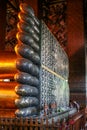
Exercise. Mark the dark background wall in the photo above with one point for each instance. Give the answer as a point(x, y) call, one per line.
point(2, 23)
point(76, 50)
point(85, 30)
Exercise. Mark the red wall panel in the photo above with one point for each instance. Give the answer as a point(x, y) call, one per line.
point(76, 51)
point(75, 26)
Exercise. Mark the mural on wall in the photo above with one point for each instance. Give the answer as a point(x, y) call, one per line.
point(11, 24)
point(54, 15)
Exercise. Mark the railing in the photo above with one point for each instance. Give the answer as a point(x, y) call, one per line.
point(31, 124)
point(74, 122)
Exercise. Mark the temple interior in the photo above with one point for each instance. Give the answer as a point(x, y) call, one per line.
point(43, 64)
